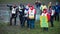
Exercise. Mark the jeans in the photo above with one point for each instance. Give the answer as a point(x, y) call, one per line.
point(31, 23)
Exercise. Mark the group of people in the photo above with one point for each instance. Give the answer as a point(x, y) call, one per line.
point(28, 14)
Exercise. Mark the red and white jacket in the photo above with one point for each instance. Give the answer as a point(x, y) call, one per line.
point(45, 13)
point(31, 12)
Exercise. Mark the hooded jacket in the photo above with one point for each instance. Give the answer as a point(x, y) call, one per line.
point(46, 14)
point(32, 12)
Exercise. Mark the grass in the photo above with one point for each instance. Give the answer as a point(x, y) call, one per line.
point(6, 29)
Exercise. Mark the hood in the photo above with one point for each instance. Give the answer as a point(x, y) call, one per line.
point(45, 11)
point(32, 7)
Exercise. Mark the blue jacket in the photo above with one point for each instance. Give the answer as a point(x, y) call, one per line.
point(57, 8)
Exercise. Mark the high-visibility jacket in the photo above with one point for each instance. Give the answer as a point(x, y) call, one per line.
point(31, 13)
point(26, 11)
point(13, 11)
point(46, 14)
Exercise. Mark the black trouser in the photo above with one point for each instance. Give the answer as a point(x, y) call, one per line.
point(26, 19)
point(13, 17)
point(45, 29)
point(31, 23)
point(21, 21)
point(57, 16)
point(51, 21)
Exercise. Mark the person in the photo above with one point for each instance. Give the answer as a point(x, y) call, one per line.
point(50, 4)
point(21, 14)
point(26, 14)
point(38, 4)
point(57, 12)
point(43, 6)
point(44, 18)
point(14, 15)
point(31, 17)
point(51, 12)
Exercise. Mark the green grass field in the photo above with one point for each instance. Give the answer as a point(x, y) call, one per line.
point(6, 29)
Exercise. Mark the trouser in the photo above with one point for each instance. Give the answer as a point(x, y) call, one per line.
point(26, 19)
point(57, 16)
point(51, 21)
point(45, 28)
point(13, 17)
point(31, 23)
point(21, 21)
